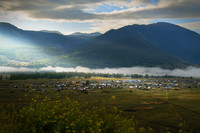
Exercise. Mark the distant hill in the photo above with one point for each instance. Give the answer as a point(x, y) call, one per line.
point(48, 31)
point(124, 52)
point(86, 34)
point(45, 37)
point(42, 48)
point(156, 45)
point(38, 38)
point(80, 38)
point(170, 38)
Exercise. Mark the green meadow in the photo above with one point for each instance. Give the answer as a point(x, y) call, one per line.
point(99, 110)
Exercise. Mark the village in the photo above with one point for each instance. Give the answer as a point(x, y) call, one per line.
point(88, 85)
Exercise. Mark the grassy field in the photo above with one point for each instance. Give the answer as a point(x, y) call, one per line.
point(162, 110)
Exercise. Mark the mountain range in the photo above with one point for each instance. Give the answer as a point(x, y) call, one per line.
point(160, 44)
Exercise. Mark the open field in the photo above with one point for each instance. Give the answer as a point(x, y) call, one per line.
point(176, 110)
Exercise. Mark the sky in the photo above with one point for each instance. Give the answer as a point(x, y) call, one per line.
point(69, 16)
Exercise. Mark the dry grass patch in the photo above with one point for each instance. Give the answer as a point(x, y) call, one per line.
point(146, 103)
point(144, 108)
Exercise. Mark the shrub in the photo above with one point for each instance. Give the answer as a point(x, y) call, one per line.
point(64, 116)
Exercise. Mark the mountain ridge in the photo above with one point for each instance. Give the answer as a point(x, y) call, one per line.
point(150, 45)
point(157, 34)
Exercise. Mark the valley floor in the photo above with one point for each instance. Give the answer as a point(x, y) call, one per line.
point(174, 110)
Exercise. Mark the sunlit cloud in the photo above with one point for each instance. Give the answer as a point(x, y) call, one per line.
point(193, 25)
point(76, 10)
point(103, 26)
point(100, 13)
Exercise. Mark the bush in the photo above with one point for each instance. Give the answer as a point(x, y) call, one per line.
point(64, 116)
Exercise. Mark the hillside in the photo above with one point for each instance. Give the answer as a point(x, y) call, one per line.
point(156, 45)
point(126, 52)
point(171, 39)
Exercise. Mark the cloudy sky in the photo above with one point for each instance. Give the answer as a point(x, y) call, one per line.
point(68, 16)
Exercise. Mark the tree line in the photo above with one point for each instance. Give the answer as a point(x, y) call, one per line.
point(54, 75)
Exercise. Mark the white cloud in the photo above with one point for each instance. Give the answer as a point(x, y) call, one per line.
point(188, 72)
point(13, 69)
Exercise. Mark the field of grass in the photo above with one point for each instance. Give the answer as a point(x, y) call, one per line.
point(162, 110)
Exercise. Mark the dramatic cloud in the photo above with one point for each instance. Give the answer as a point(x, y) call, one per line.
point(61, 9)
point(76, 9)
point(101, 14)
point(169, 9)
point(188, 72)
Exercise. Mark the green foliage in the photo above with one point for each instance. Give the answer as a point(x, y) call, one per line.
point(136, 76)
point(63, 116)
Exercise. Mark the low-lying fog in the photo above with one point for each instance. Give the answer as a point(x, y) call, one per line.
point(188, 72)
